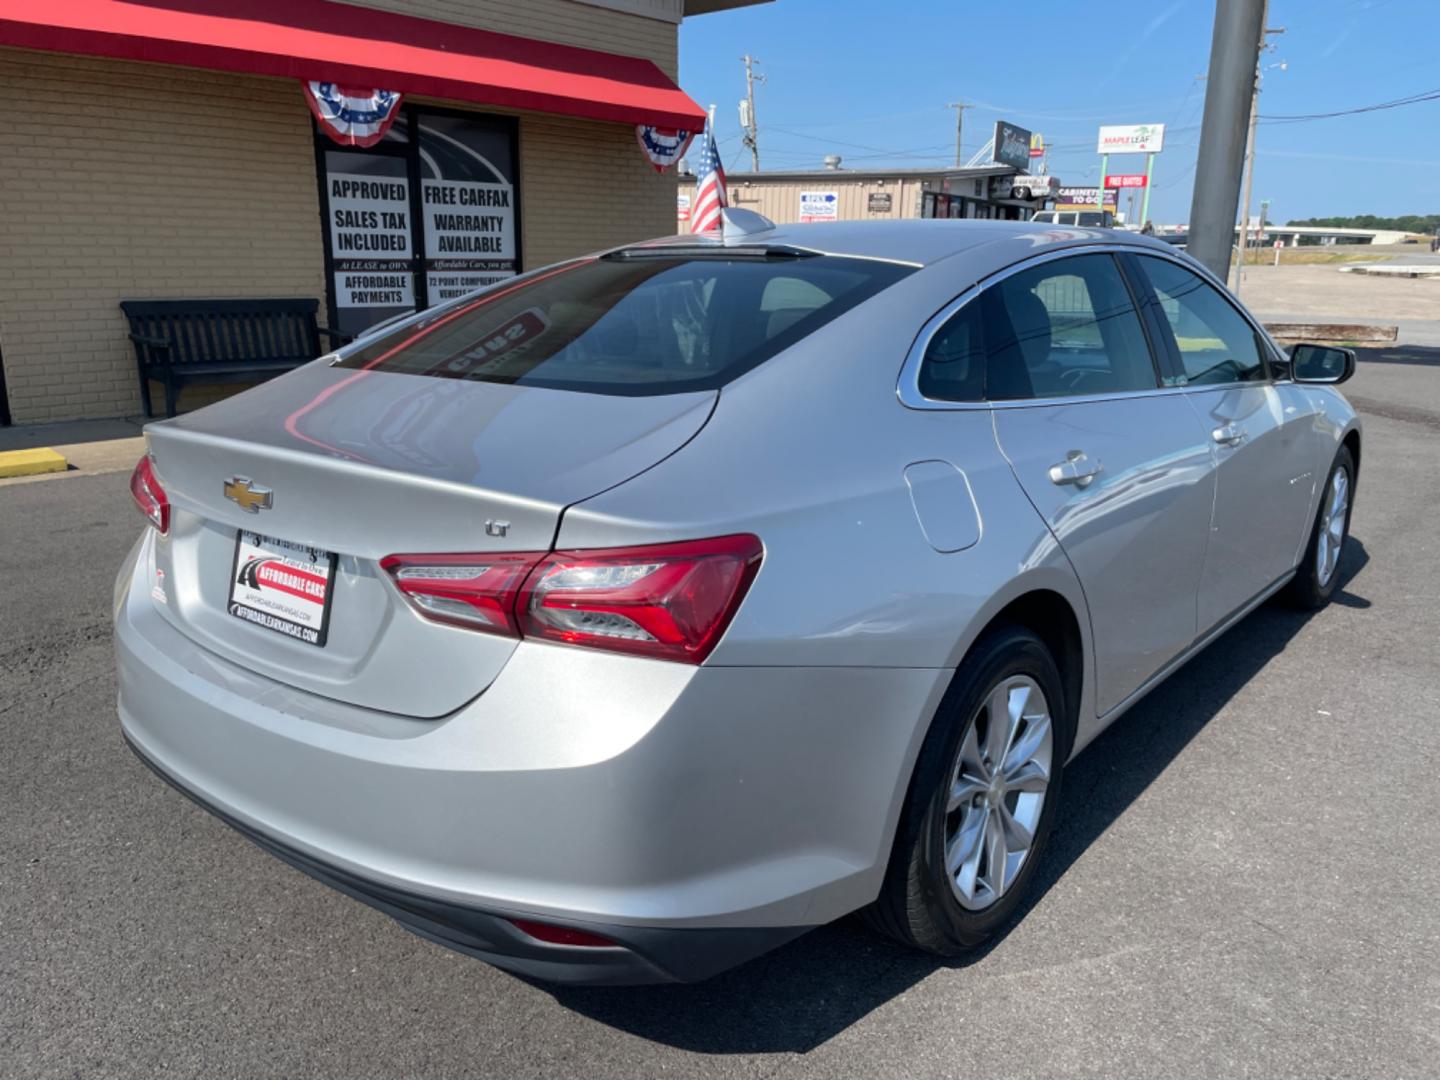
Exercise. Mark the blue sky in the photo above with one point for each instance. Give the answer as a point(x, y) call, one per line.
point(869, 81)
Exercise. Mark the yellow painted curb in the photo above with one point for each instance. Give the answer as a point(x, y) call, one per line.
point(30, 462)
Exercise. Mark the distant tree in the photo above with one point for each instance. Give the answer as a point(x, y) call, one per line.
point(1417, 223)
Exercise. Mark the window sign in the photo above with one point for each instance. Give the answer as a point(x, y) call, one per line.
point(370, 237)
point(413, 222)
point(467, 186)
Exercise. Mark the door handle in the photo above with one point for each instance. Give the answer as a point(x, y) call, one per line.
point(1076, 469)
point(1229, 435)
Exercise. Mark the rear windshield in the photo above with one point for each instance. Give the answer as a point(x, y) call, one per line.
point(644, 325)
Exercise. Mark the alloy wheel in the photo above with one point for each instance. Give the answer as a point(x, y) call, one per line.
point(1332, 526)
point(997, 791)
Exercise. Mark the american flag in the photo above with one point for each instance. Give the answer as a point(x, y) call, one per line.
point(709, 186)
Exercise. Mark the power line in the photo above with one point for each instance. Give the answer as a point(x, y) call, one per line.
point(1413, 99)
point(1183, 174)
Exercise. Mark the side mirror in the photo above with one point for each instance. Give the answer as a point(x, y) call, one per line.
point(1321, 364)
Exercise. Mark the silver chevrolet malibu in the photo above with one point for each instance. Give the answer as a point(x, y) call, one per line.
point(629, 618)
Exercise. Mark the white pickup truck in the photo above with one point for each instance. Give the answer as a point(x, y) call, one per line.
point(1029, 187)
point(1095, 219)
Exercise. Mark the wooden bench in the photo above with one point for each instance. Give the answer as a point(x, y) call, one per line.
point(178, 342)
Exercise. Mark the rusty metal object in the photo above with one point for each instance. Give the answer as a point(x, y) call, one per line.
point(1322, 332)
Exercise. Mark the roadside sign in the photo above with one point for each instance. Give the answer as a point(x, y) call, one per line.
point(1085, 198)
point(1126, 180)
point(1131, 139)
point(1011, 146)
point(682, 207)
point(879, 202)
point(819, 205)
point(1037, 145)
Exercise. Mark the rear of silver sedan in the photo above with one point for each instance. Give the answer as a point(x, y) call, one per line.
point(361, 631)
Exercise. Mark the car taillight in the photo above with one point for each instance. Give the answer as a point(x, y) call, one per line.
point(671, 601)
point(478, 592)
point(149, 496)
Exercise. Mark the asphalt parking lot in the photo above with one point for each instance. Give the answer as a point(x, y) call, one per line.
point(1244, 881)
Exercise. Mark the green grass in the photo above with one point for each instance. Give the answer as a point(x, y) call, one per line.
point(1306, 256)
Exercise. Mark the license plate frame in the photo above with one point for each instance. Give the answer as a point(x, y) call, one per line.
point(273, 583)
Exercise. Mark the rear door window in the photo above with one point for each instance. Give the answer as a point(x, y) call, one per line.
point(648, 324)
point(1062, 329)
point(1065, 328)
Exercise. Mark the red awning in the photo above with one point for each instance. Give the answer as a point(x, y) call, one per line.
point(331, 42)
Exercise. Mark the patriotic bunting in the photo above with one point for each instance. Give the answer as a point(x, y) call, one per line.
point(352, 116)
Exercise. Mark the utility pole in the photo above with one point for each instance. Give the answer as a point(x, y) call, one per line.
point(747, 111)
point(959, 107)
point(1243, 235)
point(1229, 99)
point(1250, 153)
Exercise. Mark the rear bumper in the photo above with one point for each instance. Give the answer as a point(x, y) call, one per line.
point(696, 816)
point(643, 954)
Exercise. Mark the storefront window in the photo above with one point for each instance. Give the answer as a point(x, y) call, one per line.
point(415, 221)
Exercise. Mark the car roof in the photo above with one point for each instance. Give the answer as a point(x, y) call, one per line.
point(916, 241)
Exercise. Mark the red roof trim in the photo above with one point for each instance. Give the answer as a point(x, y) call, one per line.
point(319, 39)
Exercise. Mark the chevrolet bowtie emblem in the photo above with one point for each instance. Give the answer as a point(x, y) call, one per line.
point(242, 491)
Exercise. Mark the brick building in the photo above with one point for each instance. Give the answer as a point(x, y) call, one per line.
point(841, 194)
point(166, 150)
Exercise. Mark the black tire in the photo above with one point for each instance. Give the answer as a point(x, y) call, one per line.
point(916, 906)
point(1306, 590)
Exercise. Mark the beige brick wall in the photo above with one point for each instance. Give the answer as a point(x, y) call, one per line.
point(585, 186)
point(562, 21)
point(129, 180)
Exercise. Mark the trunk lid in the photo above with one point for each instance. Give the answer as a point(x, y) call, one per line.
point(366, 464)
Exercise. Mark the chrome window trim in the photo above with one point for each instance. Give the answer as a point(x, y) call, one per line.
point(908, 386)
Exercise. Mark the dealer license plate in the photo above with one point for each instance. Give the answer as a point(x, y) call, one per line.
point(282, 586)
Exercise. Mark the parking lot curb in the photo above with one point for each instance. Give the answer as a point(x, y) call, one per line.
point(31, 462)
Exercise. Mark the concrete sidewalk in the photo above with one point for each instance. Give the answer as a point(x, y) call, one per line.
point(90, 446)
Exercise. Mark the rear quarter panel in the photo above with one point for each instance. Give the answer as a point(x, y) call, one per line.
point(809, 452)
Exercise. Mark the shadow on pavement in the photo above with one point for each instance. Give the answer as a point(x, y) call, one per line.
point(1410, 355)
point(802, 995)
